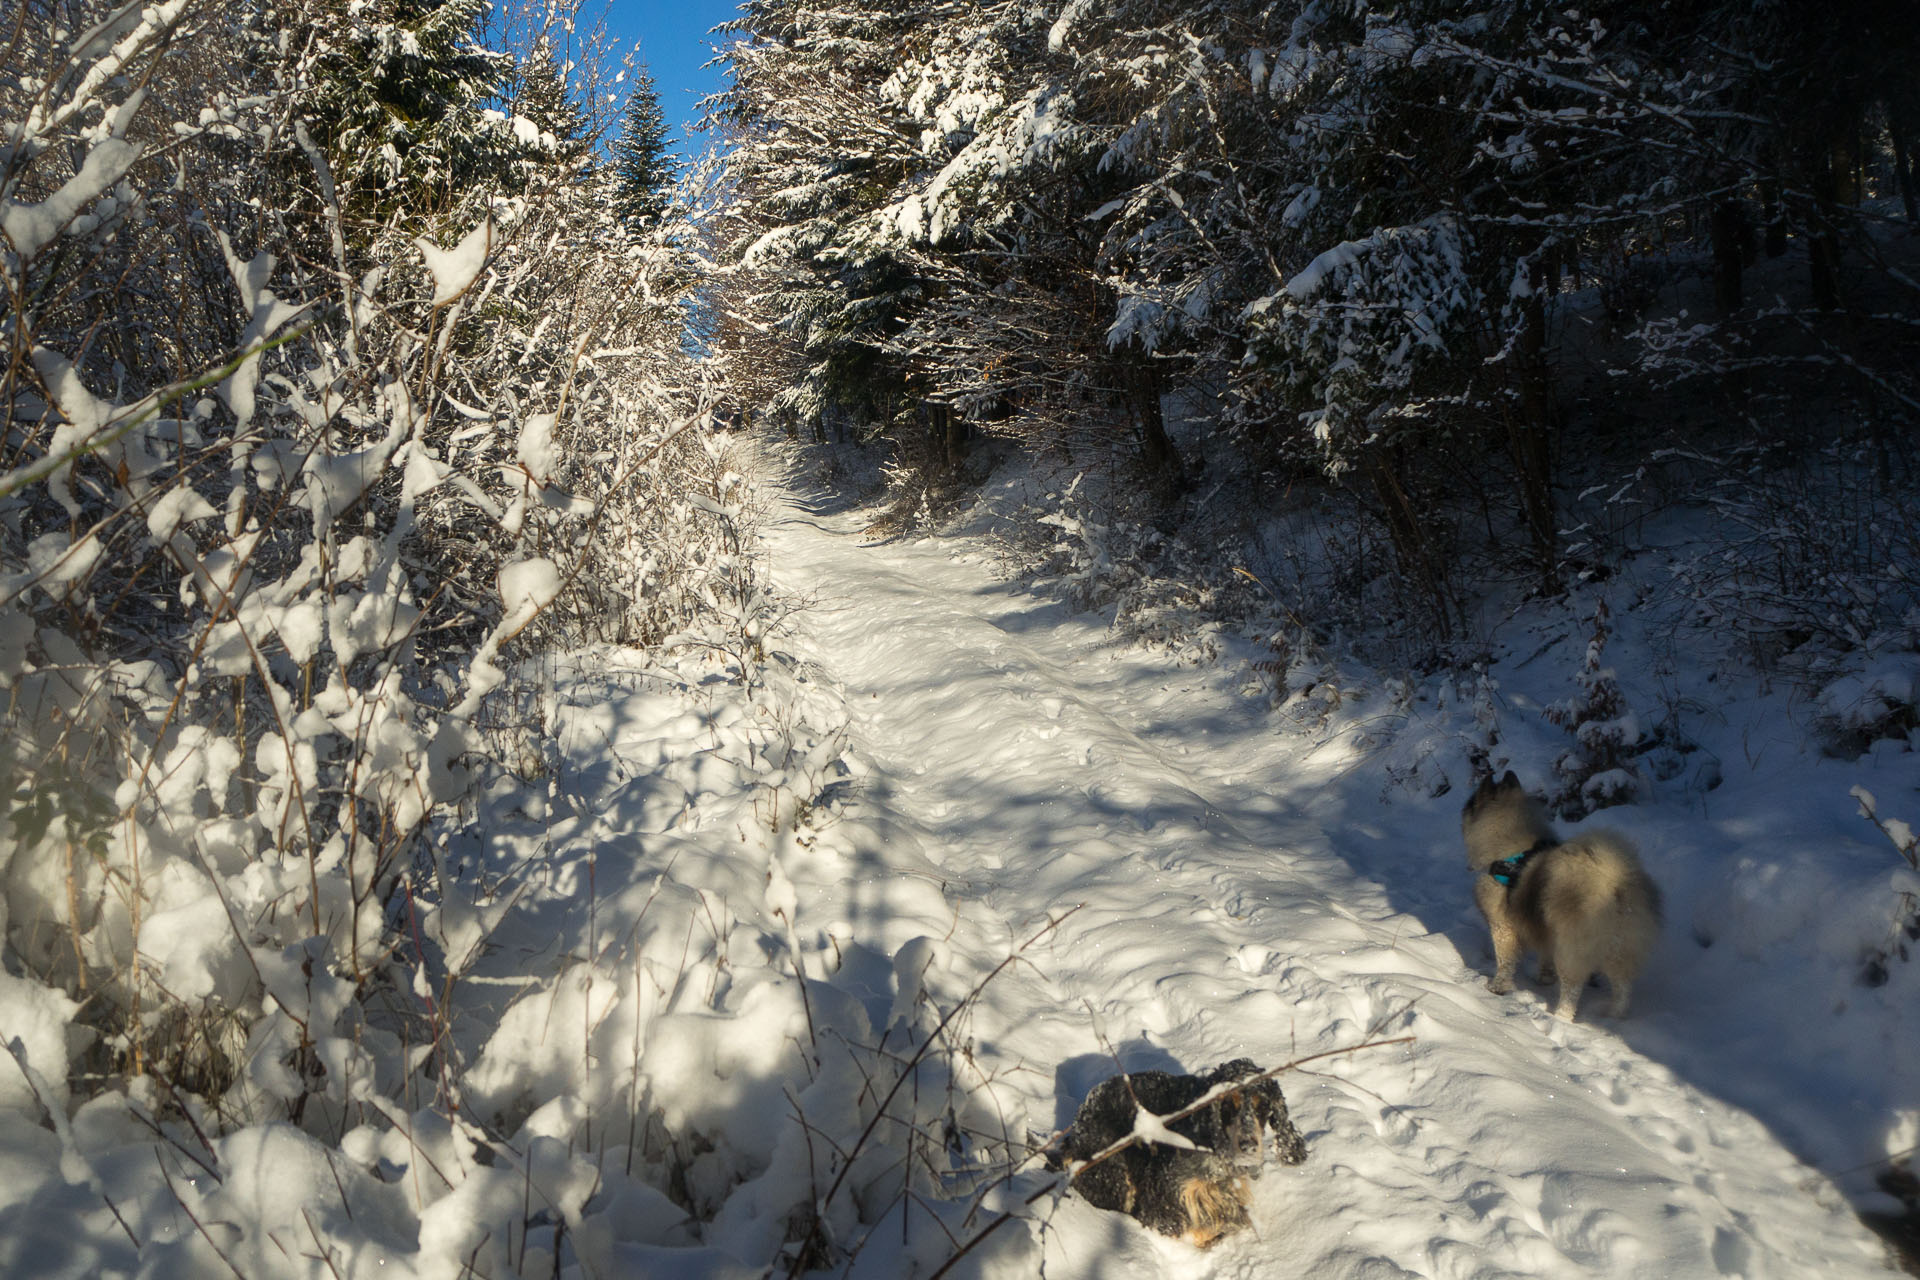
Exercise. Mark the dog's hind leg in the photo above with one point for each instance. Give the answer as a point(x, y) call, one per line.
point(1622, 988)
point(1573, 980)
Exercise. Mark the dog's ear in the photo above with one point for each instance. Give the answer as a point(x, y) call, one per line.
point(1510, 782)
point(1482, 793)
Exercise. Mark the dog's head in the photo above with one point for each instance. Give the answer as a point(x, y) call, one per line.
point(1499, 820)
point(1241, 1121)
point(1491, 792)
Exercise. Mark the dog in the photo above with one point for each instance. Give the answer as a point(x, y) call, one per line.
point(1584, 905)
point(1198, 1195)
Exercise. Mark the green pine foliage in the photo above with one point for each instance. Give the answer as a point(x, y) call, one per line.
point(400, 104)
point(644, 166)
point(542, 99)
point(1596, 771)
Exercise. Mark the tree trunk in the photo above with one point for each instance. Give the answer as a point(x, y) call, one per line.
point(1141, 379)
point(1530, 437)
point(1903, 166)
point(1776, 222)
point(1728, 221)
point(1823, 241)
point(1407, 530)
point(1849, 166)
point(953, 438)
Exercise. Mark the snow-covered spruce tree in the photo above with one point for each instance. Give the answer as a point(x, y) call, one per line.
point(1017, 131)
point(541, 95)
point(266, 544)
point(644, 165)
point(1596, 771)
point(916, 219)
point(814, 155)
point(1407, 321)
point(398, 88)
point(866, 236)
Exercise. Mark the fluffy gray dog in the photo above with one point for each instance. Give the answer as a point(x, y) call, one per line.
point(1585, 905)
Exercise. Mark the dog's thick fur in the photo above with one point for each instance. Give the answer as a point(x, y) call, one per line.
point(1584, 905)
point(1198, 1195)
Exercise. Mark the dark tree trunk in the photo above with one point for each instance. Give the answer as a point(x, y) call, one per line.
point(1141, 379)
point(1413, 547)
point(1776, 222)
point(1530, 436)
point(1903, 166)
point(1730, 242)
point(1849, 166)
point(1823, 241)
point(953, 438)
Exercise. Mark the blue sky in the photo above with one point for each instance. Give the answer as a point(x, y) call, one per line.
point(673, 43)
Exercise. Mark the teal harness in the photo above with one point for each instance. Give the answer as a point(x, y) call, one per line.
point(1507, 870)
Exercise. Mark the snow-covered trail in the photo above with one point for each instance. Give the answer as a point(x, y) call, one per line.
point(1235, 900)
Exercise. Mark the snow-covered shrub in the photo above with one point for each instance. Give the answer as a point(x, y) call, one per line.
point(263, 604)
point(1083, 557)
point(1905, 929)
point(1819, 553)
point(1166, 585)
point(1596, 771)
point(734, 1077)
point(582, 427)
point(282, 496)
point(1878, 700)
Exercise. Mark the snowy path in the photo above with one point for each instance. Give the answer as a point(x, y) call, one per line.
point(1228, 912)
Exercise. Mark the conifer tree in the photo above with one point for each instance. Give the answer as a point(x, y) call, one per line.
point(542, 98)
point(645, 168)
point(1597, 770)
point(399, 102)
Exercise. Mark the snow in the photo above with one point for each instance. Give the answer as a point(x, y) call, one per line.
point(87, 419)
point(266, 313)
point(1246, 893)
point(687, 952)
point(454, 270)
point(1343, 255)
point(526, 587)
point(1148, 1128)
point(912, 966)
point(177, 506)
point(32, 227)
point(33, 1020)
point(1296, 212)
point(535, 449)
point(1062, 28)
point(1864, 698)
